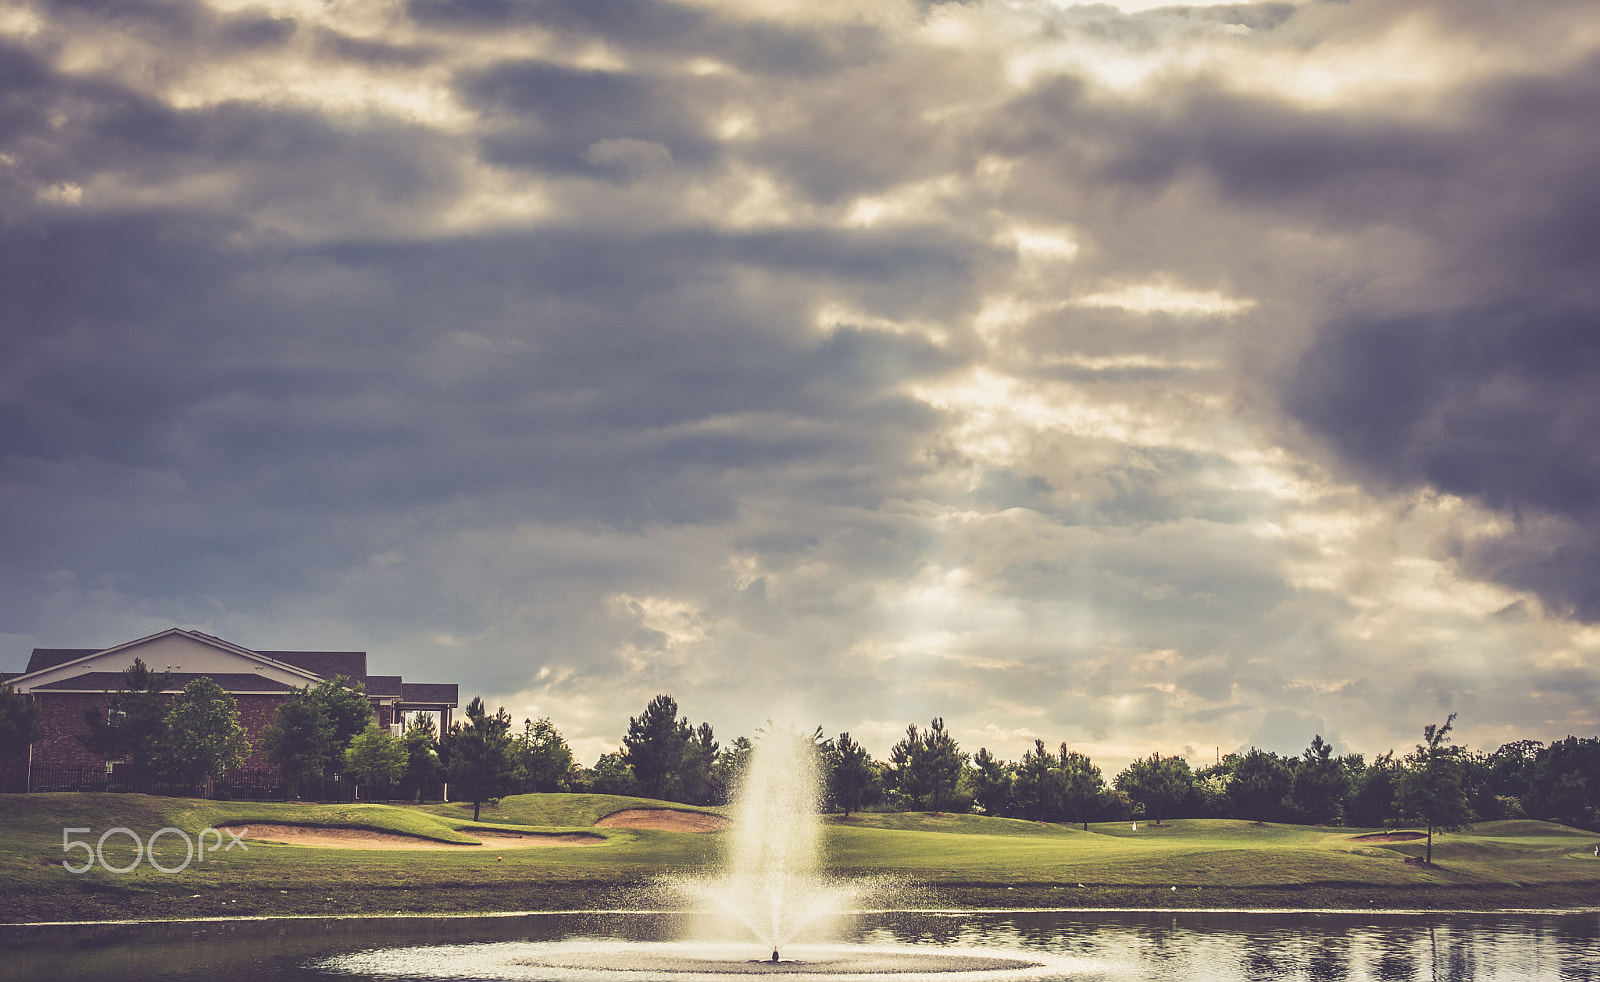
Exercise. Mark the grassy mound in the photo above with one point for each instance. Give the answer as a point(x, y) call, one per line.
point(950, 860)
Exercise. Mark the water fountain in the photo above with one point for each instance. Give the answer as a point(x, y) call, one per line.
point(773, 884)
point(773, 887)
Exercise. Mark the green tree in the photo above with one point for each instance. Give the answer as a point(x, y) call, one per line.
point(1429, 786)
point(376, 758)
point(1158, 783)
point(1039, 789)
point(732, 761)
point(853, 782)
point(992, 782)
point(1211, 793)
point(541, 757)
point(612, 774)
point(299, 742)
point(477, 756)
point(133, 723)
point(1084, 786)
point(1321, 784)
point(19, 723)
point(927, 765)
point(1260, 783)
point(655, 748)
point(698, 770)
point(1372, 793)
point(1512, 768)
point(423, 769)
point(203, 735)
point(944, 763)
point(1565, 786)
point(345, 704)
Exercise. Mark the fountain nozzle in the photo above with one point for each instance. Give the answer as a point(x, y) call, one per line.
point(774, 956)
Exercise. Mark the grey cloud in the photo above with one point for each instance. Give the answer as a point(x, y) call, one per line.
point(374, 52)
point(176, 22)
point(621, 20)
point(761, 47)
point(166, 371)
point(556, 114)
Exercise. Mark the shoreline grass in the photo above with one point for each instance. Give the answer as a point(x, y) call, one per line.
point(935, 861)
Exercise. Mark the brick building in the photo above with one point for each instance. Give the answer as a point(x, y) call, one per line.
point(66, 681)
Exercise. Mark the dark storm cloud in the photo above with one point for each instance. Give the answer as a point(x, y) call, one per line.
point(1493, 404)
point(1485, 389)
point(1496, 405)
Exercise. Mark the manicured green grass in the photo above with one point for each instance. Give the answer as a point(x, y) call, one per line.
point(942, 860)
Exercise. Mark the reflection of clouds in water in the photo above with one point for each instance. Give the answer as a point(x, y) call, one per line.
point(1048, 946)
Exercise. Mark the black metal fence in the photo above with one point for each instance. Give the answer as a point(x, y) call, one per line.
point(243, 784)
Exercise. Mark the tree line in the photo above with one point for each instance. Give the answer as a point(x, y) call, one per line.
point(328, 729)
point(1437, 784)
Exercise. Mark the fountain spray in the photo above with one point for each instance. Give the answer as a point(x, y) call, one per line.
point(773, 882)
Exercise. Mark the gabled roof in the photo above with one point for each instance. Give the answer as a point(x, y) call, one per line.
point(49, 659)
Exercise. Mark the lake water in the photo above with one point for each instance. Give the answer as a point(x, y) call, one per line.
point(1001, 946)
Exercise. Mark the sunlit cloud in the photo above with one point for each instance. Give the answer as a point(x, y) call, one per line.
point(1131, 376)
point(1146, 298)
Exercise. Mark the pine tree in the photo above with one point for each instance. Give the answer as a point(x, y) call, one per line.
point(477, 756)
point(655, 747)
point(853, 782)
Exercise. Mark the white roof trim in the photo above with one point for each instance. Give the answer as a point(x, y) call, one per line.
point(23, 680)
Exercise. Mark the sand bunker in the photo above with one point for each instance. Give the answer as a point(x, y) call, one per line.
point(1388, 837)
point(311, 835)
point(664, 818)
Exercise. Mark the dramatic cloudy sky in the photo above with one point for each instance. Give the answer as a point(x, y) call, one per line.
point(1142, 378)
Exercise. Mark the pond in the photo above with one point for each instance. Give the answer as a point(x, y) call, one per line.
point(994, 946)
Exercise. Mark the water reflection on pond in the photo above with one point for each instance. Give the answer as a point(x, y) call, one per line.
point(1198, 946)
